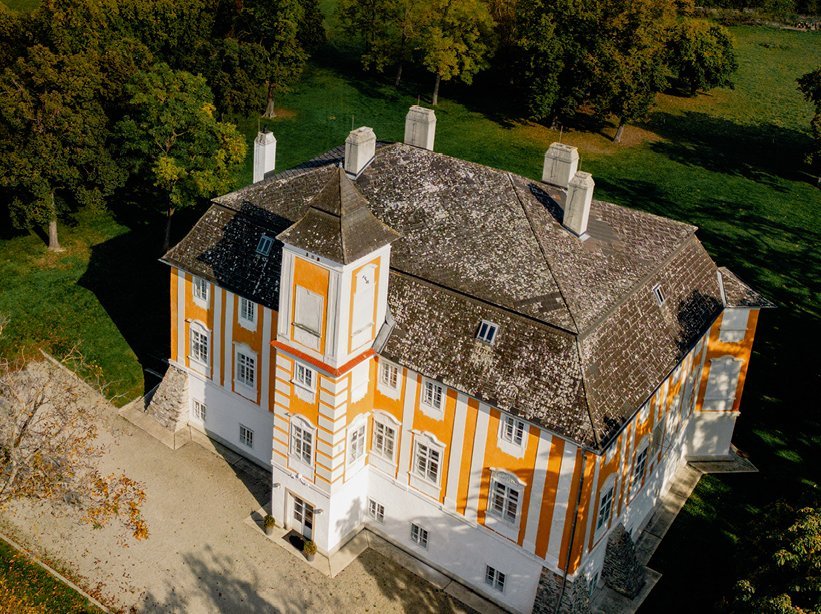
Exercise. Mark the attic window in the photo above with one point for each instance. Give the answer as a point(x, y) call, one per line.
point(264, 245)
point(658, 294)
point(487, 331)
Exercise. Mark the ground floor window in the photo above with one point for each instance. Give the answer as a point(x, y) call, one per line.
point(419, 535)
point(246, 436)
point(495, 578)
point(376, 510)
point(200, 410)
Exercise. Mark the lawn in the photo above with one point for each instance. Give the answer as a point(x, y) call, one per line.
point(27, 588)
point(728, 161)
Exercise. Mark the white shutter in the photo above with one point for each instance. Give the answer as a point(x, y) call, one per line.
point(722, 383)
point(308, 320)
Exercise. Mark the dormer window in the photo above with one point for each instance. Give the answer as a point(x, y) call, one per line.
point(264, 245)
point(657, 292)
point(487, 331)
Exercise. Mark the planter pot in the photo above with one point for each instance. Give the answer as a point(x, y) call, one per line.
point(310, 556)
point(269, 530)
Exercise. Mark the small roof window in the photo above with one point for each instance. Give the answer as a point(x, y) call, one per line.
point(264, 245)
point(658, 294)
point(487, 331)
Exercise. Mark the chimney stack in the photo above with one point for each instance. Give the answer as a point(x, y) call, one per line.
point(577, 203)
point(360, 148)
point(265, 154)
point(420, 127)
point(560, 164)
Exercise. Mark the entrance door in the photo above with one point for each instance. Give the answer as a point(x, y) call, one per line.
point(303, 518)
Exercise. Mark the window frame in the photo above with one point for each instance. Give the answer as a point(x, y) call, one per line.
point(642, 457)
point(242, 386)
point(385, 387)
point(516, 425)
point(734, 324)
point(658, 293)
point(722, 403)
point(299, 379)
point(264, 245)
point(495, 579)
point(426, 405)
point(500, 520)
point(246, 436)
point(357, 441)
point(491, 332)
point(602, 521)
point(199, 410)
point(376, 510)
point(304, 333)
point(245, 322)
point(421, 480)
point(199, 329)
point(200, 290)
point(419, 535)
point(308, 433)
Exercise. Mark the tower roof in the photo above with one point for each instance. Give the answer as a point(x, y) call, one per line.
point(338, 224)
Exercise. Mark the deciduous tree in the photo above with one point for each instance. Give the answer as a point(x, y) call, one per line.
point(810, 86)
point(175, 140)
point(700, 55)
point(53, 133)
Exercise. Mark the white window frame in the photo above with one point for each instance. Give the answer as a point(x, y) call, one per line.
point(357, 441)
point(378, 458)
point(420, 480)
point(714, 399)
point(608, 490)
point(264, 245)
point(388, 381)
point(419, 535)
point(250, 307)
point(302, 431)
point(194, 360)
point(244, 387)
point(200, 290)
point(505, 483)
point(376, 511)
point(427, 402)
point(304, 381)
point(636, 476)
point(495, 578)
point(304, 333)
point(734, 322)
point(512, 428)
point(246, 436)
point(658, 293)
point(199, 411)
point(487, 332)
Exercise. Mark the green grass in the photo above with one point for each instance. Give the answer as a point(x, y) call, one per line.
point(729, 161)
point(33, 586)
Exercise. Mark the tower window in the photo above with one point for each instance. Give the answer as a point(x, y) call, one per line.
point(658, 294)
point(487, 331)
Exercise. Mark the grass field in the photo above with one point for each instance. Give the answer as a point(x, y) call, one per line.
point(728, 161)
point(27, 588)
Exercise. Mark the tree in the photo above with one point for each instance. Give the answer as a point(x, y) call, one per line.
point(49, 448)
point(456, 39)
point(174, 138)
point(700, 55)
point(784, 552)
point(311, 32)
point(810, 86)
point(53, 133)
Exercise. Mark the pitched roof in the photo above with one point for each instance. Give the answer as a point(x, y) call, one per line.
point(739, 294)
point(338, 224)
point(582, 341)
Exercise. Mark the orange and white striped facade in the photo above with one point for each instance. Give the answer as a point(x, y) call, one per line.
point(356, 441)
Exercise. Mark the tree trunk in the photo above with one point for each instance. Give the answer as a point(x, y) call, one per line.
point(619, 131)
point(166, 244)
point(398, 75)
point(53, 240)
point(269, 104)
point(435, 100)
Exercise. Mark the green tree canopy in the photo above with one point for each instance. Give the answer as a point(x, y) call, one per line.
point(53, 132)
point(174, 139)
point(700, 55)
point(810, 86)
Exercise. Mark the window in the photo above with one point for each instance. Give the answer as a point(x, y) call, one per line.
point(656, 439)
point(246, 436)
point(495, 578)
point(419, 535)
point(308, 318)
point(504, 498)
point(264, 245)
point(513, 430)
point(389, 374)
point(199, 410)
point(384, 440)
point(363, 304)
point(302, 442)
point(722, 383)
point(638, 472)
point(247, 312)
point(246, 369)
point(733, 325)
point(487, 331)
point(376, 510)
point(658, 294)
point(356, 443)
point(432, 394)
point(199, 345)
point(200, 289)
point(426, 463)
point(605, 507)
point(304, 376)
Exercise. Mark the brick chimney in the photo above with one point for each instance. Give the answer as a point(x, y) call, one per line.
point(360, 147)
point(265, 154)
point(420, 127)
point(577, 203)
point(560, 164)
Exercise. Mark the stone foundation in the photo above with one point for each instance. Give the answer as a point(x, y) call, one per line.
point(622, 570)
point(169, 405)
point(575, 599)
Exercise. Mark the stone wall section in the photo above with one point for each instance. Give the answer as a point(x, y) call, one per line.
point(169, 404)
point(575, 599)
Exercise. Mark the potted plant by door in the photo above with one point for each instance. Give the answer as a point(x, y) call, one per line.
point(269, 522)
point(309, 548)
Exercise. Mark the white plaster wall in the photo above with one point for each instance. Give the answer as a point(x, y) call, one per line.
point(454, 545)
point(348, 508)
point(225, 412)
point(710, 434)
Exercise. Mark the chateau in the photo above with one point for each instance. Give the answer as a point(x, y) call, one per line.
point(492, 373)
